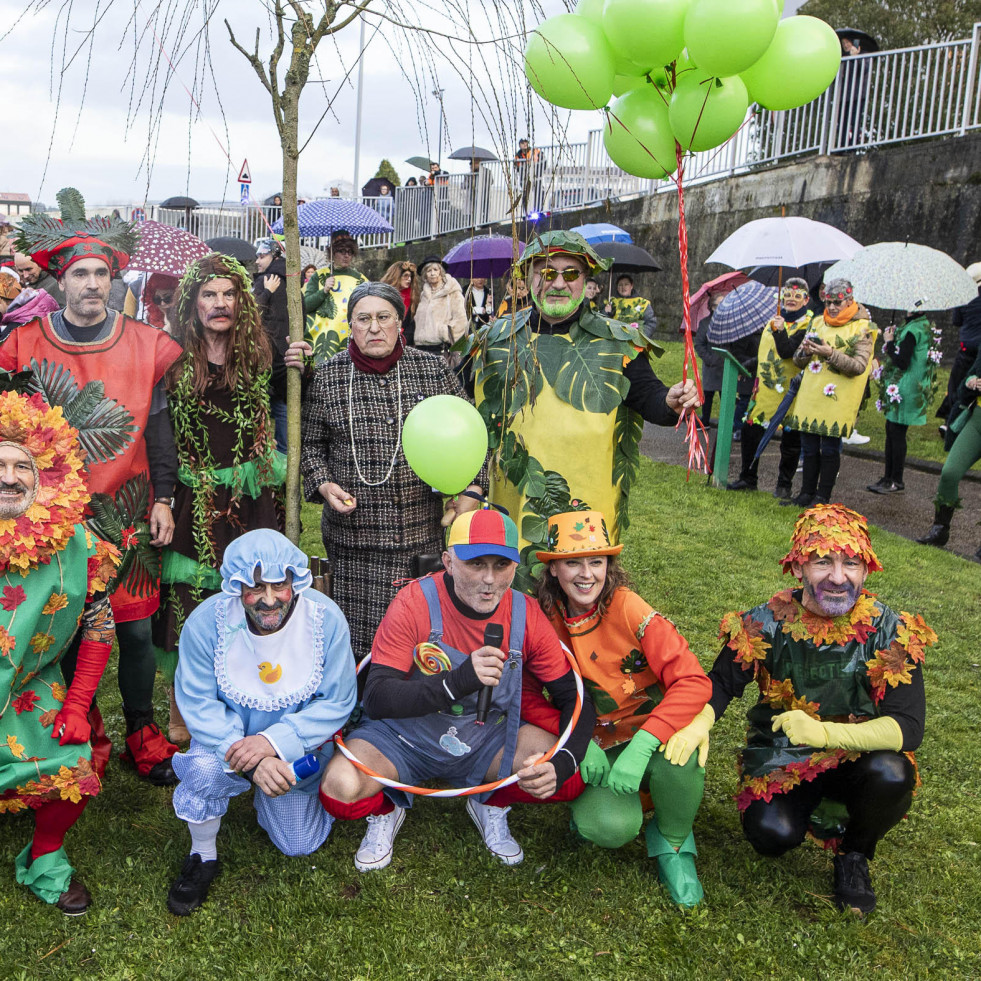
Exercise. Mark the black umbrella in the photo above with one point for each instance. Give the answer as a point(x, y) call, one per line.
point(865, 41)
point(373, 188)
point(179, 202)
point(627, 257)
point(237, 248)
point(271, 200)
point(782, 409)
point(472, 153)
point(778, 275)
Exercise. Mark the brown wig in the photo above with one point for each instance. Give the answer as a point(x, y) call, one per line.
point(248, 349)
point(393, 276)
point(551, 598)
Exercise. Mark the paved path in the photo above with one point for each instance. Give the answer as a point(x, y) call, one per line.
point(908, 513)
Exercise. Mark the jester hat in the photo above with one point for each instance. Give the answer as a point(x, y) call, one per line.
point(827, 528)
point(56, 243)
point(560, 242)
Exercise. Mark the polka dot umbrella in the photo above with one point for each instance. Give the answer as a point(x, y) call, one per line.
point(165, 249)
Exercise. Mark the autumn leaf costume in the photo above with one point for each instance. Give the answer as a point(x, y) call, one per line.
point(53, 579)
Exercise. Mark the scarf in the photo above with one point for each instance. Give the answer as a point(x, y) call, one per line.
point(846, 314)
point(376, 366)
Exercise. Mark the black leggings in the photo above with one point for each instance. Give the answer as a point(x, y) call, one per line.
point(876, 788)
point(895, 451)
point(822, 460)
point(789, 454)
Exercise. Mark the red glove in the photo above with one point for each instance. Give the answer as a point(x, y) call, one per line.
point(71, 725)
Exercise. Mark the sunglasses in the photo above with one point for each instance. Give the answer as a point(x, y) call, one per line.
point(163, 298)
point(550, 274)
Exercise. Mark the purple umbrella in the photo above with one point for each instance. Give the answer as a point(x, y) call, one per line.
point(486, 256)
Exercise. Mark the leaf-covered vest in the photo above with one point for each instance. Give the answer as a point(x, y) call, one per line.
point(828, 401)
point(553, 406)
point(629, 309)
point(835, 669)
point(773, 373)
point(914, 385)
point(327, 328)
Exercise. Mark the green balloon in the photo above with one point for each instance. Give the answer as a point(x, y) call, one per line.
point(444, 440)
point(637, 134)
point(569, 63)
point(592, 10)
point(814, 51)
point(706, 111)
point(727, 36)
point(648, 32)
point(624, 83)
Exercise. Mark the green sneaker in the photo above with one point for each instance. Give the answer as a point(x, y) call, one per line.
point(675, 869)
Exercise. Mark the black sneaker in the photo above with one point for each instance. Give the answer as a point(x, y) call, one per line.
point(783, 492)
point(190, 888)
point(853, 886)
point(801, 501)
point(741, 485)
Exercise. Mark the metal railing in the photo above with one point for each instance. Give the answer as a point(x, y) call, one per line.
point(887, 97)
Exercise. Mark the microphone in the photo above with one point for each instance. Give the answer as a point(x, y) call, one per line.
point(493, 637)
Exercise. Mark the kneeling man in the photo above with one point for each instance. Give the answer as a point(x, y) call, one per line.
point(429, 661)
point(265, 677)
point(841, 704)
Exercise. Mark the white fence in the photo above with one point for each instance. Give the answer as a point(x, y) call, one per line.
point(877, 99)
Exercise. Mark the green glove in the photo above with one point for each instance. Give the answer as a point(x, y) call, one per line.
point(595, 768)
point(628, 771)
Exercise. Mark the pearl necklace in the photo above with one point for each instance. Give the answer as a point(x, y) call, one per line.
point(350, 426)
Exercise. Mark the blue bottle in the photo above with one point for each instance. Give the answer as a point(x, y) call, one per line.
point(306, 766)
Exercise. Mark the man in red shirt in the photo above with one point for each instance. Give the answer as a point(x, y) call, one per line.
point(421, 697)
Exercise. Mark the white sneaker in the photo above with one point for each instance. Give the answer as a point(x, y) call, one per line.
point(493, 825)
point(375, 851)
point(855, 439)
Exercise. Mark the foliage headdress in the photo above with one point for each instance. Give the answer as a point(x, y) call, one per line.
point(827, 528)
point(559, 242)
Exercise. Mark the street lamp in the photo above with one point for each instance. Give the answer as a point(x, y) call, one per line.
point(439, 145)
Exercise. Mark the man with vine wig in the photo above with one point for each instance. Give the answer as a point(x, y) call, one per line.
point(106, 369)
point(230, 470)
point(830, 740)
point(565, 393)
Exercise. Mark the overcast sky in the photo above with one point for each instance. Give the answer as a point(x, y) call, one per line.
point(92, 148)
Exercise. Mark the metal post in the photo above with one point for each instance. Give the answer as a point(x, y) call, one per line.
point(972, 71)
point(357, 125)
point(723, 435)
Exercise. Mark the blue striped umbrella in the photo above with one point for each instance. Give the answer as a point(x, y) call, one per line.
point(602, 232)
point(744, 311)
point(329, 215)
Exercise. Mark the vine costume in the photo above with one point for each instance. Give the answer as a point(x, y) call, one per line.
point(646, 684)
point(565, 406)
point(840, 709)
point(53, 579)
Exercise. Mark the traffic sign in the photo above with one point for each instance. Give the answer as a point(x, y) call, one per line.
point(244, 194)
point(245, 175)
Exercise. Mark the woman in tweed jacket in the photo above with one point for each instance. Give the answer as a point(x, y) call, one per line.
point(378, 513)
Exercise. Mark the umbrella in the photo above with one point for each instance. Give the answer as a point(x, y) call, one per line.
point(699, 303)
point(472, 153)
point(484, 255)
point(328, 215)
point(744, 311)
point(905, 276)
point(626, 257)
point(271, 200)
point(373, 188)
point(790, 241)
point(237, 248)
point(866, 42)
point(778, 275)
point(166, 249)
point(179, 202)
point(309, 256)
point(423, 163)
point(602, 232)
point(782, 409)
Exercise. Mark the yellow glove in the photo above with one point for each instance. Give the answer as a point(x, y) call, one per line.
point(803, 730)
point(695, 735)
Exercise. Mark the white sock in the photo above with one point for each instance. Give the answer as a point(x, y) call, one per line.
point(204, 838)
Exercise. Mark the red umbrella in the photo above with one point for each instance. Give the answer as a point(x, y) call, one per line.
point(166, 249)
point(725, 283)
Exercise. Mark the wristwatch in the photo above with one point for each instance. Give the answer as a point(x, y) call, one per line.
point(169, 501)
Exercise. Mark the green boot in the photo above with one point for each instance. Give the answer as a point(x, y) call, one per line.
point(675, 869)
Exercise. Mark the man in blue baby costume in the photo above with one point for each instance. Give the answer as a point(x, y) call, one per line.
point(265, 677)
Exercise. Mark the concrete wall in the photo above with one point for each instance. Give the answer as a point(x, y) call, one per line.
point(927, 192)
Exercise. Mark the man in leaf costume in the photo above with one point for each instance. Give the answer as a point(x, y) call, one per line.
point(565, 393)
point(105, 370)
point(841, 704)
point(53, 578)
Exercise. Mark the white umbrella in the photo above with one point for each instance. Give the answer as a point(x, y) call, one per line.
point(790, 241)
point(905, 276)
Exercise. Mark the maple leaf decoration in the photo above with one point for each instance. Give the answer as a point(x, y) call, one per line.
point(744, 636)
point(15, 747)
point(48, 718)
point(25, 702)
point(13, 596)
point(6, 642)
point(56, 602)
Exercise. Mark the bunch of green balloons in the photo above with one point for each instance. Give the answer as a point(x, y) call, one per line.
point(678, 71)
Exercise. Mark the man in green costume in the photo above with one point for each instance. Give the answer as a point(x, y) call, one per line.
point(565, 393)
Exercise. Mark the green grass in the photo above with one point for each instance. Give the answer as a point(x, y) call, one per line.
point(445, 910)
point(923, 442)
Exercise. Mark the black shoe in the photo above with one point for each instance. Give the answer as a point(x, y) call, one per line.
point(853, 886)
point(876, 488)
point(741, 485)
point(190, 888)
point(820, 499)
point(76, 899)
point(802, 500)
point(783, 492)
point(162, 774)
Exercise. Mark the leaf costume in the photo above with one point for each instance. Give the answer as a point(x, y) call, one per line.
point(774, 373)
point(327, 328)
point(906, 395)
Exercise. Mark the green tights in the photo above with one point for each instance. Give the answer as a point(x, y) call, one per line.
point(963, 455)
point(611, 821)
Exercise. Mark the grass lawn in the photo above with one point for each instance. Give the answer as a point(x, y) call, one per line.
point(445, 910)
point(924, 442)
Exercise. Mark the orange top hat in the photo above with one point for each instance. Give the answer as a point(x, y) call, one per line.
point(576, 533)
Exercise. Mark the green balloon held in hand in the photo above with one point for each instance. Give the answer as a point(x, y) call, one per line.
point(810, 49)
point(705, 111)
point(637, 134)
point(444, 440)
point(724, 37)
point(647, 32)
point(569, 63)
